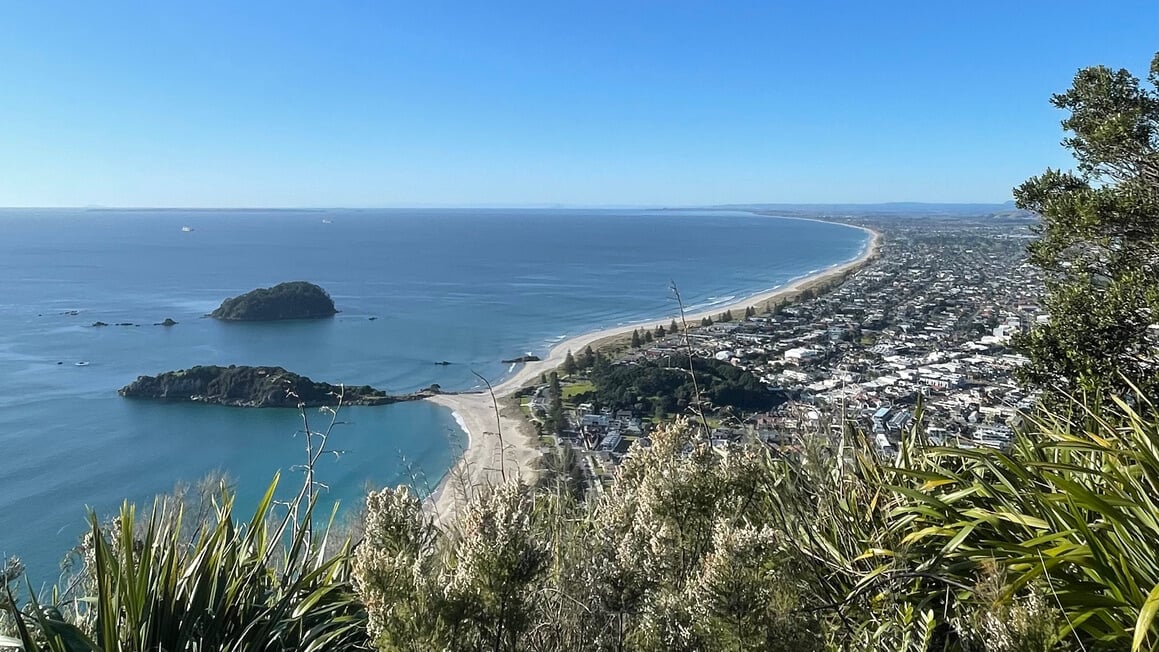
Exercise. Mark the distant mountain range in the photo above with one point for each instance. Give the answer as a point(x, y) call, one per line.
point(1006, 210)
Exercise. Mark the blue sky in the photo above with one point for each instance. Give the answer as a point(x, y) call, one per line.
point(363, 103)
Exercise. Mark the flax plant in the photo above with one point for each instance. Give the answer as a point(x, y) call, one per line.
point(1049, 545)
point(154, 581)
point(1067, 520)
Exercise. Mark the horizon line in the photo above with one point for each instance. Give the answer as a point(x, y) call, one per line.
point(549, 205)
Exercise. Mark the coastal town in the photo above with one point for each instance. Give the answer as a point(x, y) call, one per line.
point(921, 331)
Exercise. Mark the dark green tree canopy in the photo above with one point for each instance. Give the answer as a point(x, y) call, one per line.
point(556, 421)
point(1098, 242)
point(293, 300)
point(587, 357)
point(654, 388)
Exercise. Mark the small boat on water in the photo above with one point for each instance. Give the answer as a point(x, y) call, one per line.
point(82, 363)
point(326, 221)
point(186, 229)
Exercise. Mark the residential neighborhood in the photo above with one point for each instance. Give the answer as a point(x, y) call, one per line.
point(922, 331)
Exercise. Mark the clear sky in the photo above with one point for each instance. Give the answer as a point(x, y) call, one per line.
point(364, 103)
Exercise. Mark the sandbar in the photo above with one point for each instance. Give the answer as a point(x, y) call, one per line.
point(485, 462)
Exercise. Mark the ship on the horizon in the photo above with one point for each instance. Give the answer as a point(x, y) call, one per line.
point(186, 229)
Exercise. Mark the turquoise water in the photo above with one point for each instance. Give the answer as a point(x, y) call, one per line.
point(468, 286)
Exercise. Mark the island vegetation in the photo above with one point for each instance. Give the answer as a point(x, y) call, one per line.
point(665, 387)
point(245, 386)
point(293, 300)
point(1046, 545)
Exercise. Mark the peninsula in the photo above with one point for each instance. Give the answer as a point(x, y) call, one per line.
point(293, 300)
point(243, 386)
point(520, 446)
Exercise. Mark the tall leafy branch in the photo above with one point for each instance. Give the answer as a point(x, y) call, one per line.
point(1099, 239)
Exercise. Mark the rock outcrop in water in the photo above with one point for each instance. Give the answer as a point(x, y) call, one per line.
point(242, 386)
point(521, 359)
point(294, 300)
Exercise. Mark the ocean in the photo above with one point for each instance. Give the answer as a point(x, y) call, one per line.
point(414, 287)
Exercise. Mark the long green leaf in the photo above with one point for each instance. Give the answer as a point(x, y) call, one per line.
point(1146, 615)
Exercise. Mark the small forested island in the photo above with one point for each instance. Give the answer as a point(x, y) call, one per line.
point(243, 386)
point(293, 300)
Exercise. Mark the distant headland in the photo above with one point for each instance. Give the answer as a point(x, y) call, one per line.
point(244, 386)
point(293, 300)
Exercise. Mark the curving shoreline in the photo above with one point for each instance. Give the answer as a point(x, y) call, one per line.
point(480, 463)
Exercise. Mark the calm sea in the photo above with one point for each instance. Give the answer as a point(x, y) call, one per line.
point(414, 287)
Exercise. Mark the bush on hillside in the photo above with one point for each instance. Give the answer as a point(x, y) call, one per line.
point(1047, 546)
point(661, 386)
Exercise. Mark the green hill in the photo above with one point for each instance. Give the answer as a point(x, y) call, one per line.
point(294, 300)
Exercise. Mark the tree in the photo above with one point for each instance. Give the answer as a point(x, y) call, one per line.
point(672, 327)
point(600, 363)
point(648, 339)
point(564, 467)
point(808, 294)
point(587, 357)
point(636, 342)
point(569, 364)
point(660, 332)
point(556, 423)
point(750, 312)
point(1098, 243)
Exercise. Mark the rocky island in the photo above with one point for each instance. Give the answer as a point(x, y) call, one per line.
point(243, 386)
point(293, 300)
point(521, 359)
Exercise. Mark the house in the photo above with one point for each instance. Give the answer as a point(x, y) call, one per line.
point(880, 418)
point(801, 354)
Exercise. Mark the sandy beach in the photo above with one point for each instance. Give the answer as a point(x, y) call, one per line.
point(484, 461)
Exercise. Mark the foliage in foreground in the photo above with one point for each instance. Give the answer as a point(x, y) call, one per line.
point(151, 584)
point(188, 576)
point(1050, 546)
point(1099, 240)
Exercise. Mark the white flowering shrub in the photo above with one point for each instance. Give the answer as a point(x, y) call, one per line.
point(999, 621)
point(677, 555)
point(428, 590)
point(495, 567)
point(395, 571)
point(1050, 546)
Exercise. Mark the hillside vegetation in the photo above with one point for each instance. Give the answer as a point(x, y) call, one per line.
point(294, 300)
point(1048, 547)
point(661, 387)
point(246, 386)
